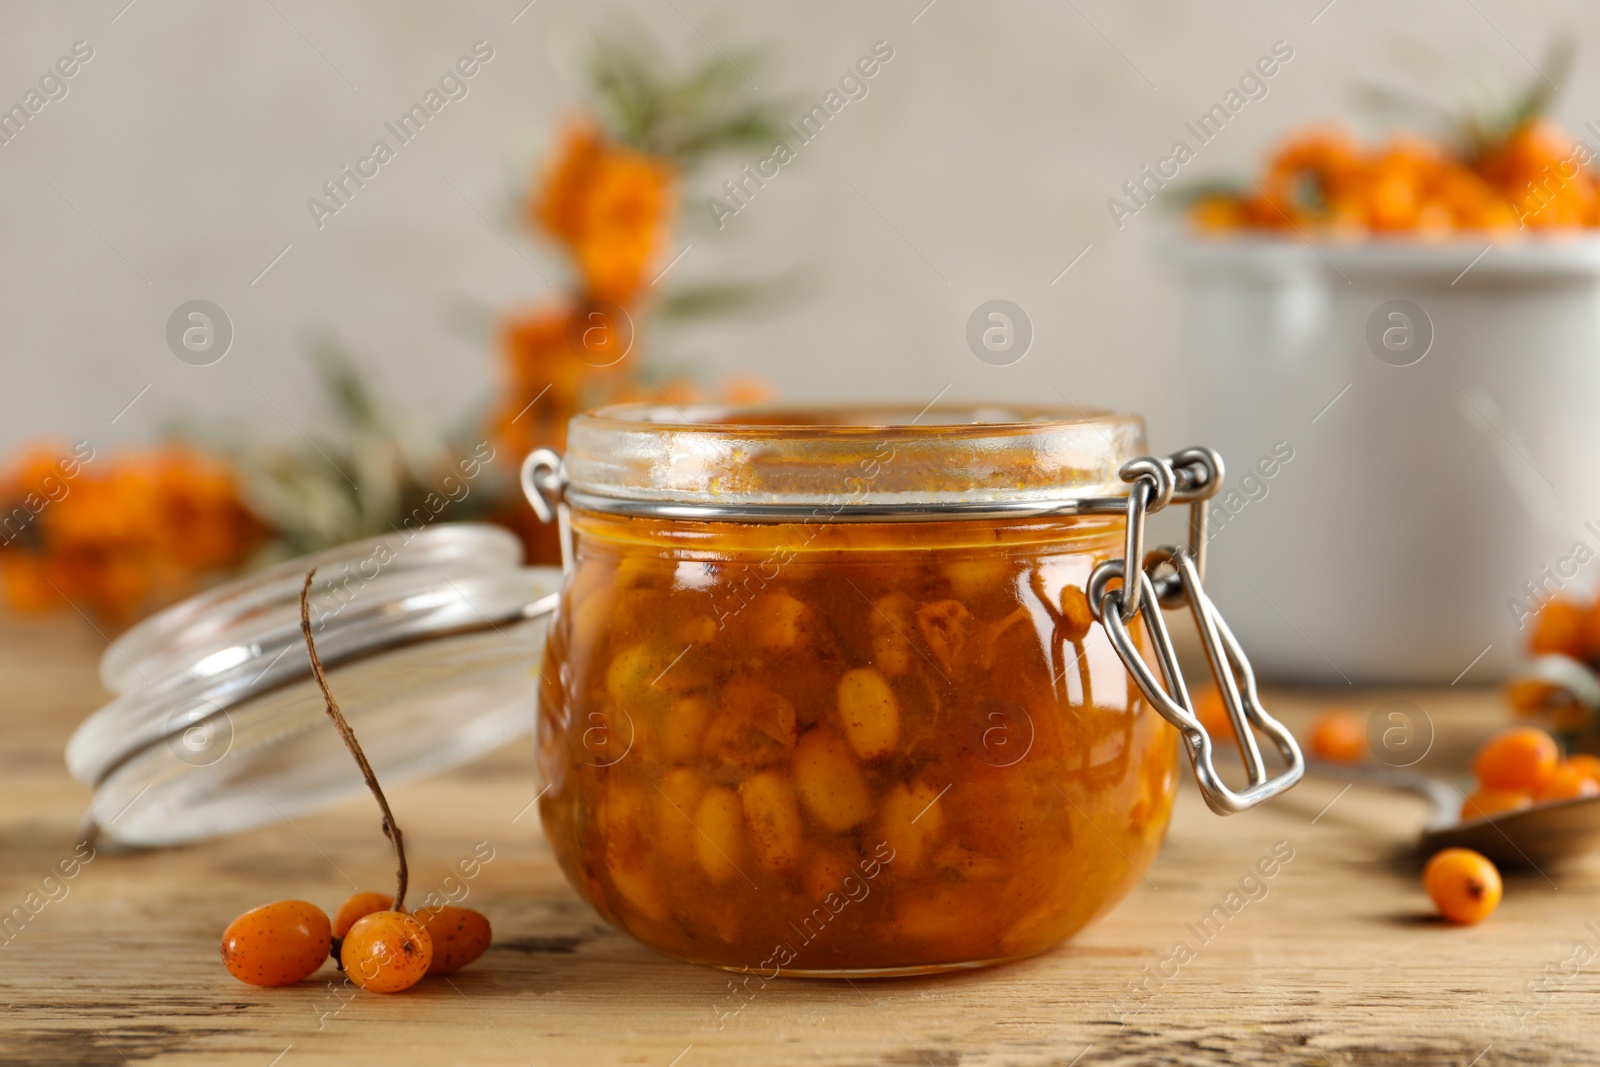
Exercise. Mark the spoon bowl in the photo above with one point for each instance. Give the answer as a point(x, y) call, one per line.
point(1543, 835)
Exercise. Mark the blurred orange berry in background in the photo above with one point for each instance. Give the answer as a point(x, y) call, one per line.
point(1321, 178)
point(123, 535)
point(1539, 170)
point(1568, 783)
point(1586, 765)
point(1486, 802)
point(547, 383)
point(1212, 712)
point(1523, 758)
point(1339, 736)
point(1561, 626)
point(610, 205)
point(1464, 885)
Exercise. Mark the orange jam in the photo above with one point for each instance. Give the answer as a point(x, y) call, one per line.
point(846, 747)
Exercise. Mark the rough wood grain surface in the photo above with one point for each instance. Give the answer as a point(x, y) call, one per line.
point(1333, 960)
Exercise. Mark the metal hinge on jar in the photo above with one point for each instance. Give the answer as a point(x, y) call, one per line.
point(1169, 577)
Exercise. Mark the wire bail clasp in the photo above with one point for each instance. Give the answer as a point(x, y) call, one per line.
point(1170, 576)
point(544, 483)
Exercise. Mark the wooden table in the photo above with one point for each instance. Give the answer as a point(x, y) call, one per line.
point(1340, 961)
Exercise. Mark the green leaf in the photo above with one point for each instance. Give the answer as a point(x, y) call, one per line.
point(723, 298)
point(1180, 196)
point(352, 400)
point(682, 116)
point(1543, 88)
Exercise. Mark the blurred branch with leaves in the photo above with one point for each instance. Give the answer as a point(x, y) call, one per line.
point(128, 533)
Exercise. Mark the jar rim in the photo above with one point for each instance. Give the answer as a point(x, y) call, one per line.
point(849, 456)
point(868, 419)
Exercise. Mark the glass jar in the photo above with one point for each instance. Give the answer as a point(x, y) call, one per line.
point(825, 694)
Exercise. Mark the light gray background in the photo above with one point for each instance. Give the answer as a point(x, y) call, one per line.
point(179, 166)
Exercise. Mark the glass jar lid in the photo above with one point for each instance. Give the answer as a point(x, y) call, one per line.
point(850, 458)
point(431, 639)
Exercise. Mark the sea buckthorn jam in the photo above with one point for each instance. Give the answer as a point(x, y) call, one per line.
point(830, 746)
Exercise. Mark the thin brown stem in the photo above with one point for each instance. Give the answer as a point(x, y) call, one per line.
point(391, 829)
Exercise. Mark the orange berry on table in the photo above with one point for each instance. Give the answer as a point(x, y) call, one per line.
point(1464, 885)
point(459, 935)
point(1568, 783)
point(1339, 736)
point(1561, 626)
point(277, 944)
point(386, 952)
point(358, 906)
point(1487, 802)
point(1524, 758)
point(1586, 765)
point(1212, 712)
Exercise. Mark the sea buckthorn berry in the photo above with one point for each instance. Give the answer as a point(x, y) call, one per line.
point(1586, 765)
point(277, 944)
point(697, 629)
point(1561, 626)
point(772, 814)
point(911, 819)
point(720, 842)
point(1487, 802)
point(974, 577)
point(459, 935)
point(677, 797)
point(830, 782)
point(779, 621)
point(635, 885)
point(386, 952)
point(870, 713)
point(1212, 712)
point(682, 728)
point(891, 626)
point(1568, 783)
point(356, 906)
point(1524, 758)
point(622, 820)
point(1464, 885)
point(1076, 618)
point(632, 671)
point(1339, 737)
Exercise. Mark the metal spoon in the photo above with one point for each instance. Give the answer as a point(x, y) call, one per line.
point(1531, 837)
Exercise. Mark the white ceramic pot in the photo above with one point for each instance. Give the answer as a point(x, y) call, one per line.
point(1406, 485)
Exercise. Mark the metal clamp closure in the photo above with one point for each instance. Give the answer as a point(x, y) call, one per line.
point(544, 483)
point(1171, 576)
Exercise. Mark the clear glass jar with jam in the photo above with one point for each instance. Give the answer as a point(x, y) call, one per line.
point(826, 695)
